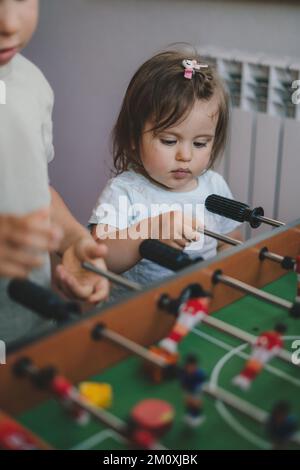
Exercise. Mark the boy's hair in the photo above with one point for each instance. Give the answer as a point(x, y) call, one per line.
point(159, 92)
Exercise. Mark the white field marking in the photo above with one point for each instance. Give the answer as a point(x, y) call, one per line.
point(97, 439)
point(235, 402)
point(239, 404)
point(273, 370)
point(239, 428)
point(101, 436)
point(106, 434)
point(283, 354)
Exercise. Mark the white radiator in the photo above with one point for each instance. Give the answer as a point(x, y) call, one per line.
point(262, 158)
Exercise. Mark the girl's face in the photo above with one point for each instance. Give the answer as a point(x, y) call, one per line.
point(18, 20)
point(176, 156)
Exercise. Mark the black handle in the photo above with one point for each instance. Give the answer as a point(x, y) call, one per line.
point(41, 301)
point(166, 256)
point(234, 210)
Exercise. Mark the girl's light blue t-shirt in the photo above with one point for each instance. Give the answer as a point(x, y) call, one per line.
point(130, 197)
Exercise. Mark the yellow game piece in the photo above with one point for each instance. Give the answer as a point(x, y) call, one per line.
point(98, 394)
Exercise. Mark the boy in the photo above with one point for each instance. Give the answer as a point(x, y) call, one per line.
point(33, 218)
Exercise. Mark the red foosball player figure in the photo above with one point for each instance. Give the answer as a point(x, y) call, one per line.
point(64, 391)
point(265, 348)
point(13, 436)
point(192, 308)
point(192, 379)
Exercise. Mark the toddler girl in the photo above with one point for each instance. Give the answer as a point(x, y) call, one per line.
point(171, 129)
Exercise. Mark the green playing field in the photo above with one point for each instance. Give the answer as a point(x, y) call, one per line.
point(222, 356)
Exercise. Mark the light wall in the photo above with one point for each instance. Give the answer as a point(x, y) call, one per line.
point(88, 49)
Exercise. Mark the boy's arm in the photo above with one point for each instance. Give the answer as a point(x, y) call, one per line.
point(23, 240)
point(77, 246)
point(61, 216)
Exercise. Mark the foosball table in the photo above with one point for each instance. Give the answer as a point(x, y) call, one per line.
point(236, 319)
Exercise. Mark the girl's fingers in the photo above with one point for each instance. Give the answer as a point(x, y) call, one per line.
point(190, 234)
point(89, 250)
point(179, 243)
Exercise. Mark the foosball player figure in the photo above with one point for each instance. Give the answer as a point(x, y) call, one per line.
point(149, 420)
point(190, 308)
point(192, 379)
point(13, 436)
point(281, 425)
point(63, 390)
point(267, 345)
point(48, 379)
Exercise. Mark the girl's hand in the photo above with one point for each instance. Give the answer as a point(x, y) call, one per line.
point(174, 229)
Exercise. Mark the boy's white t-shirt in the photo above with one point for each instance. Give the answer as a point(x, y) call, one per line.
point(25, 151)
point(129, 198)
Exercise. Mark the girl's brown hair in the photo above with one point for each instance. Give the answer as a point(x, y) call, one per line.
point(159, 92)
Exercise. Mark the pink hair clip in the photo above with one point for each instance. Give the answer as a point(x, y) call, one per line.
point(191, 66)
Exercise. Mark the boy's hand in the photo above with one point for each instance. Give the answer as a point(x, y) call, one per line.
point(75, 281)
point(174, 229)
point(23, 241)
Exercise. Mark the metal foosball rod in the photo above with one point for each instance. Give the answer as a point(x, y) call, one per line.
point(173, 305)
point(44, 379)
point(242, 406)
point(235, 332)
point(62, 389)
point(293, 308)
point(47, 305)
point(236, 403)
point(175, 259)
point(101, 331)
point(239, 211)
point(286, 262)
point(220, 237)
point(115, 278)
